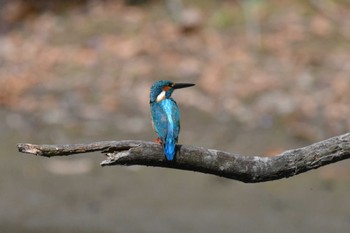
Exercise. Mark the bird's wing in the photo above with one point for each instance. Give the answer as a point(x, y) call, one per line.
point(159, 119)
point(166, 119)
point(176, 118)
point(173, 116)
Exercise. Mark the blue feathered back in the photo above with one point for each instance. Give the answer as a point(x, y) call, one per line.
point(166, 122)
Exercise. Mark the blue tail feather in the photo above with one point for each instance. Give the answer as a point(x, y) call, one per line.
point(169, 148)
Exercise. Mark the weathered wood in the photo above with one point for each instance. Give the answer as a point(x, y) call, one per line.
point(249, 169)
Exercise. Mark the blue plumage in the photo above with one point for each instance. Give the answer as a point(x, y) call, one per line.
point(166, 115)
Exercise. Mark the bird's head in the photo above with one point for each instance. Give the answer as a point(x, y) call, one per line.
point(163, 89)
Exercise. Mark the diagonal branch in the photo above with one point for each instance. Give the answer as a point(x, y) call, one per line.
point(249, 169)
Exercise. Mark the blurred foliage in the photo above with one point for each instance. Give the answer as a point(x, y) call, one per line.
point(222, 18)
point(17, 10)
point(260, 63)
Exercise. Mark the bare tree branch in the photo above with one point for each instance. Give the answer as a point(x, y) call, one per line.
point(249, 169)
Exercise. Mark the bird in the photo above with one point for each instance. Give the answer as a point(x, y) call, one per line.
point(166, 115)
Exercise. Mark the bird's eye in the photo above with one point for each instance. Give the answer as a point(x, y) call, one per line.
point(166, 88)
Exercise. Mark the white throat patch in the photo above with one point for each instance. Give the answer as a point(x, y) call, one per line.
point(161, 96)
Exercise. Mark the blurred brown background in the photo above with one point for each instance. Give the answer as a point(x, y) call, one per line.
point(271, 76)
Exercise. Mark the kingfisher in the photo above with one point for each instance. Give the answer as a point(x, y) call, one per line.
point(166, 115)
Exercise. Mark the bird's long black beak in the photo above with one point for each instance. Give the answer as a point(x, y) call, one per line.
point(182, 85)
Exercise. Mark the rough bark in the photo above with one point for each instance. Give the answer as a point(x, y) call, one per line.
point(249, 169)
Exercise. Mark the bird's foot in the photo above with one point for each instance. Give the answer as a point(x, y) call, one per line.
point(158, 141)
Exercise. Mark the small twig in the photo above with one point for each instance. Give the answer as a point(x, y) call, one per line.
point(249, 169)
